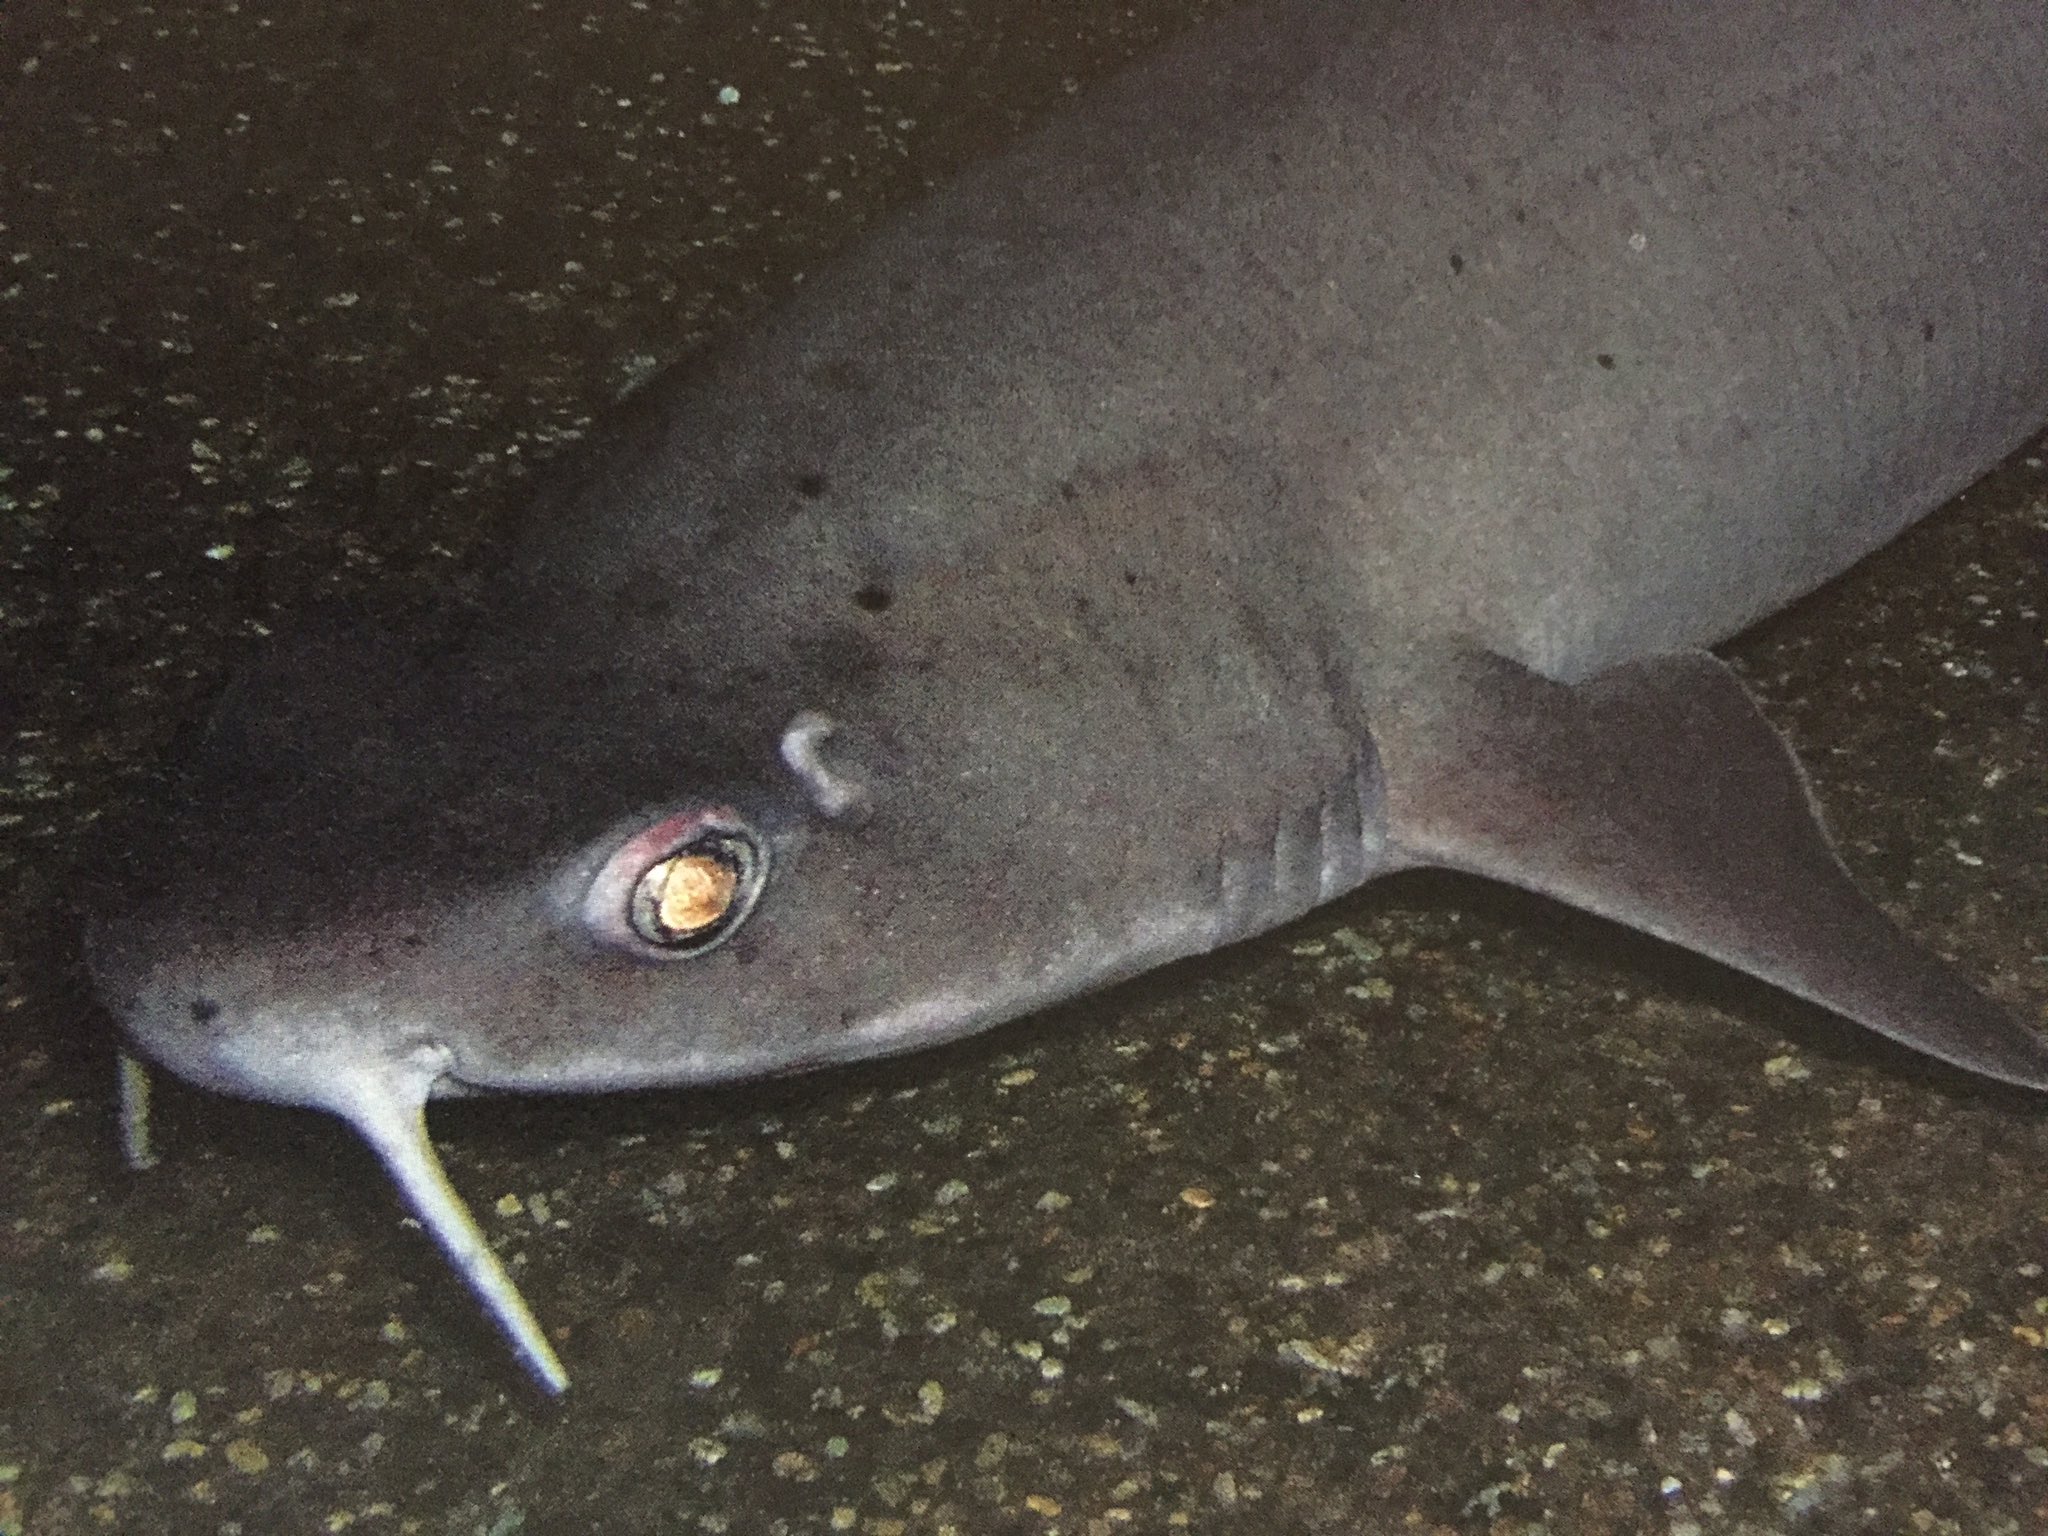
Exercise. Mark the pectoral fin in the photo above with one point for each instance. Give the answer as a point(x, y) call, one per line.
point(1656, 795)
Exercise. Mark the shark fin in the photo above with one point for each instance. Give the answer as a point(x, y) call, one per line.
point(1655, 794)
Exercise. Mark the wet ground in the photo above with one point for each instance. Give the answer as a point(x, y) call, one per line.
point(1443, 1211)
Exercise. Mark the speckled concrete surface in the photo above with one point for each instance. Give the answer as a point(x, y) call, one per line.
point(1442, 1211)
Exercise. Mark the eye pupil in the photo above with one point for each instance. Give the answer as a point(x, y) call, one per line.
point(694, 891)
point(696, 895)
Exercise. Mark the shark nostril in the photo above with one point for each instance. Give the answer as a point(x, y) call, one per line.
point(204, 1010)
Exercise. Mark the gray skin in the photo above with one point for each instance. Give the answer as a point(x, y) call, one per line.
point(1322, 453)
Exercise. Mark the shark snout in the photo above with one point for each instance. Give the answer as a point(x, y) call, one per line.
point(173, 1007)
point(226, 1020)
point(161, 1014)
point(231, 1020)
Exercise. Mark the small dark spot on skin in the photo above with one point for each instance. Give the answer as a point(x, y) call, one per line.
point(1130, 578)
point(1927, 330)
point(1274, 374)
point(810, 486)
point(1082, 607)
point(1604, 359)
point(204, 1010)
point(873, 598)
point(1457, 263)
point(1521, 215)
point(1068, 491)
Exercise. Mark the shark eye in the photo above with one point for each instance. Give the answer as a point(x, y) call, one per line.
point(680, 887)
point(694, 897)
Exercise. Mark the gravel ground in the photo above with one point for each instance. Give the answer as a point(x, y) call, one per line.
point(1442, 1211)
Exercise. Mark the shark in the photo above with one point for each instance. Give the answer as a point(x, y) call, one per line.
point(1327, 449)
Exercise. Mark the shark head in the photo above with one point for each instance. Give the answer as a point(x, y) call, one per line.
point(566, 841)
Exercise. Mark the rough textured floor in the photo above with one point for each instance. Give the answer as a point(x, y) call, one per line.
point(1442, 1211)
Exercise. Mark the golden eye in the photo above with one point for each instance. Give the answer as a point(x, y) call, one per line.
point(693, 897)
point(690, 892)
